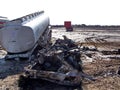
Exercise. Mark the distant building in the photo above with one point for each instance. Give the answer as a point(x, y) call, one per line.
point(3, 20)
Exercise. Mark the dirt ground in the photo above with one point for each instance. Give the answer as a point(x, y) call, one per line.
point(102, 60)
point(102, 64)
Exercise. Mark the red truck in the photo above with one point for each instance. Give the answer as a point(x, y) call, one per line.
point(2, 21)
point(68, 26)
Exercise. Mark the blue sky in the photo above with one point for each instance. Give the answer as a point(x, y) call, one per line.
point(90, 12)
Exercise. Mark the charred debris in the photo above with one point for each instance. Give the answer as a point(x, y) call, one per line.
point(59, 63)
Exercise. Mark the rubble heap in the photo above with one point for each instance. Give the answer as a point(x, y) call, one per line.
point(60, 63)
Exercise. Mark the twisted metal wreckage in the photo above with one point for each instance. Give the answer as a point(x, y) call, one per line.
point(60, 63)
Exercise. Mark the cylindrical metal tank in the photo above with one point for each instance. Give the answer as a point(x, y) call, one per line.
point(18, 37)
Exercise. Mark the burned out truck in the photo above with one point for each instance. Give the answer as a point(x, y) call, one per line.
point(60, 63)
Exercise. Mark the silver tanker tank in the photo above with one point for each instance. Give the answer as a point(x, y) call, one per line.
point(21, 35)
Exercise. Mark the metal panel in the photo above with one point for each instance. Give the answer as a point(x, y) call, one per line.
point(17, 39)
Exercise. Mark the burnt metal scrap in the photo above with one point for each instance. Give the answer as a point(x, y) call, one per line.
point(60, 63)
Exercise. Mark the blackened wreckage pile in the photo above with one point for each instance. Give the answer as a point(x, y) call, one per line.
point(60, 63)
